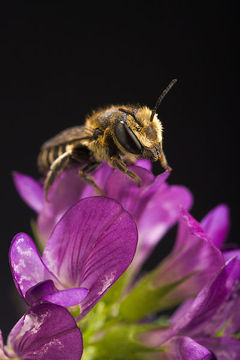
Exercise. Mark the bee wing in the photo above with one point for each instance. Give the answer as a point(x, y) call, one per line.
point(67, 136)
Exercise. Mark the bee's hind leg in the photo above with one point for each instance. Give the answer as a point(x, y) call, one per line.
point(56, 168)
point(83, 172)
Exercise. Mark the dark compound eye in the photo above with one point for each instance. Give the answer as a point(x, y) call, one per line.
point(127, 138)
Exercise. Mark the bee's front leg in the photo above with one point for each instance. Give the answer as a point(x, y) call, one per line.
point(120, 165)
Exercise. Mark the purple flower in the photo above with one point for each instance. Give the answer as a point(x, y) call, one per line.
point(183, 348)
point(155, 206)
point(46, 332)
point(92, 241)
point(191, 265)
point(201, 328)
point(216, 224)
point(211, 319)
point(89, 249)
point(193, 258)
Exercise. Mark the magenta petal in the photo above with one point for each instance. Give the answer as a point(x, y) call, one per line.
point(223, 348)
point(29, 190)
point(91, 246)
point(194, 258)
point(68, 297)
point(230, 254)
point(216, 224)
point(37, 292)
point(47, 291)
point(67, 190)
point(181, 310)
point(159, 184)
point(64, 193)
point(125, 190)
point(160, 213)
point(185, 348)
point(26, 264)
point(46, 332)
point(2, 351)
point(214, 306)
point(146, 164)
point(188, 226)
point(155, 206)
point(1, 342)
point(209, 312)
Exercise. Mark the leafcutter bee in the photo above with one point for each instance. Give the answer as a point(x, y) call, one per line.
point(117, 134)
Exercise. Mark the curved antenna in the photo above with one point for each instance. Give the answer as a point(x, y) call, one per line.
point(130, 113)
point(161, 97)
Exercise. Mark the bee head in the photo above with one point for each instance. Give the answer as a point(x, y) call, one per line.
point(139, 131)
point(137, 134)
point(125, 135)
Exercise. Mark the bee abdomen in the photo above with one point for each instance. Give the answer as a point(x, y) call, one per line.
point(48, 156)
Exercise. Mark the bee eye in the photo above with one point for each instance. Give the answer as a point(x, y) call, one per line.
point(127, 138)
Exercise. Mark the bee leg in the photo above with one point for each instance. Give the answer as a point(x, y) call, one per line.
point(55, 169)
point(120, 165)
point(88, 178)
point(164, 162)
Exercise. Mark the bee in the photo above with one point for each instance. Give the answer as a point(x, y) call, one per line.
point(118, 135)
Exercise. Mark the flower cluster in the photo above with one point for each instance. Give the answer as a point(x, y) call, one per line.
point(85, 292)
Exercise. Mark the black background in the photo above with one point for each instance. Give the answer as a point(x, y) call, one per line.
point(59, 61)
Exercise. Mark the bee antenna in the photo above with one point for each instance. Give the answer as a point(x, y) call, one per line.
point(130, 113)
point(161, 97)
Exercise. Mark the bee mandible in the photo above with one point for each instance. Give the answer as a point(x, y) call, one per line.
point(119, 135)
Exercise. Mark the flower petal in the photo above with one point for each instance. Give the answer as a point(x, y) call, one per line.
point(216, 224)
point(68, 297)
point(63, 194)
point(46, 332)
point(193, 256)
point(66, 191)
point(181, 310)
point(46, 291)
point(223, 348)
point(181, 275)
point(159, 184)
point(210, 312)
point(146, 164)
point(26, 264)
point(1, 341)
point(125, 190)
point(213, 308)
point(185, 348)
point(160, 213)
point(155, 206)
point(2, 351)
point(91, 246)
point(187, 226)
point(30, 190)
point(229, 254)
point(37, 292)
